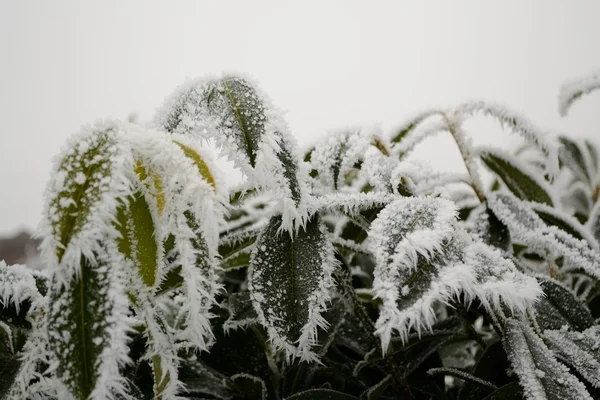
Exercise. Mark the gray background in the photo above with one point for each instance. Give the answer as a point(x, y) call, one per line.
point(328, 64)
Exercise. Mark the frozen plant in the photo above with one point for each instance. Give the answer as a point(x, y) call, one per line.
point(346, 272)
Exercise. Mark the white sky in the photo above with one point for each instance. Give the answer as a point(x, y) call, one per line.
point(329, 64)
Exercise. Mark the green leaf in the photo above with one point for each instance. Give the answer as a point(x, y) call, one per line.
point(289, 281)
point(559, 307)
point(172, 280)
point(494, 356)
point(138, 241)
point(241, 311)
point(496, 233)
point(9, 368)
point(251, 387)
point(580, 349)
point(540, 374)
point(84, 320)
point(570, 225)
point(519, 181)
point(231, 110)
point(203, 168)
point(321, 394)
point(510, 391)
point(83, 177)
point(570, 154)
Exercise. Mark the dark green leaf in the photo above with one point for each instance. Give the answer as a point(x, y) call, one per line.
point(554, 218)
point(138, 241)
point(559, 307)
point(80, 322)
point(570, 154)
point(287, 278)
point(251, 387)
point(522, 183)
point(83, 174)
point(511, 391)
point(540, 374)
point(580, 350)
point(9, 368)
point(491, 367)
point(321, 394)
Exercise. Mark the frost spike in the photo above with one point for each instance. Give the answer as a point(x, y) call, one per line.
point(289, 282)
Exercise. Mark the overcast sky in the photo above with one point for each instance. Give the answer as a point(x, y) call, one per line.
point(329, 64)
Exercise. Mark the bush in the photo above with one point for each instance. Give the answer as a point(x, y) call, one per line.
point(347, 272)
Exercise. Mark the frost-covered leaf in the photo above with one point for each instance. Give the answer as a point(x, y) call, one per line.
point(553, 217)
point(405, 232)
point(422, 260)
point(88, 182)
point(337, 155)
point(580, 349)
point(289, 281)
point(321, 394)
point(571, 91)
point(235, 249)
point(571, 155)
point(407, 127)
point(188, 220)
point(517, 124)
point(593, 223)
point(559, 307)
point(489, 228)
point(253, 134)
point(540, 375)
point(241, 312)
point(522, 182)
point(526, 226)
point(138, 242)
point(87, 327)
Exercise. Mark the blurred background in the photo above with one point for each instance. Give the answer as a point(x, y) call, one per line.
point(327, 64)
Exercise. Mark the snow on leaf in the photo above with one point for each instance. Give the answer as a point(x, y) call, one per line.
point(87, 326)
point(540, 375)
point(89, 180)
point(289, 282)
point(574, 89)
point(517, 177)
point(579, 349)
point(517, 124)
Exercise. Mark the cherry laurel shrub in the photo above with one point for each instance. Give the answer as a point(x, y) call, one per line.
point(346, 272)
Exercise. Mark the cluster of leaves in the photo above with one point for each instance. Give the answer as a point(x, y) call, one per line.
point(347, 272)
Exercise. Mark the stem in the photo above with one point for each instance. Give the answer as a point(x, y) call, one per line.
point(347, 290)
point(456, 131)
